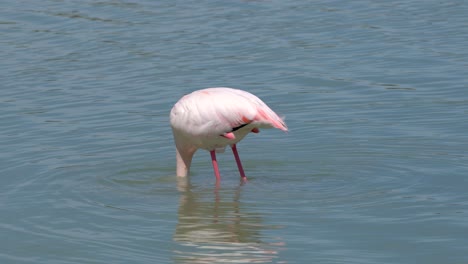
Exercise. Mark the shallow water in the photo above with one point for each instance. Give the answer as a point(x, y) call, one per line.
point(373, 169)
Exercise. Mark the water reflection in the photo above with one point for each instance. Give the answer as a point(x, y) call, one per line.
point(215, 227)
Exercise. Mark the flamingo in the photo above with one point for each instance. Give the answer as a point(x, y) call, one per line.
point(213, 118)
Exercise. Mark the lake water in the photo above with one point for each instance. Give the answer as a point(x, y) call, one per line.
point(373, 170)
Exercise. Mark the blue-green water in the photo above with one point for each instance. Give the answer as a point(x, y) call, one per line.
point(373, 170)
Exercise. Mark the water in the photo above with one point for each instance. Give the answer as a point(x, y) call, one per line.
point(373, 169)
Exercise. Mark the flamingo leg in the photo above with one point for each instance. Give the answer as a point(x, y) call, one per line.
point(215, 165)
point(238, 161)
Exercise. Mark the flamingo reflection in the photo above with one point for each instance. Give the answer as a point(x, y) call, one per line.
point(215, 229)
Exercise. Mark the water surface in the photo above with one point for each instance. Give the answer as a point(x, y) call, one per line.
point(373, 169)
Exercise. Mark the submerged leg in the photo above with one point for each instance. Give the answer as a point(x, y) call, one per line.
point(215, 165)
point(238, 161)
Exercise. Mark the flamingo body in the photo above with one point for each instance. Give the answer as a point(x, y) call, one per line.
point(213, 118)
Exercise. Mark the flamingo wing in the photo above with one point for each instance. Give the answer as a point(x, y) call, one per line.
point(217, 111)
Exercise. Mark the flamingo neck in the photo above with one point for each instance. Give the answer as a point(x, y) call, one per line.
point(183, 159)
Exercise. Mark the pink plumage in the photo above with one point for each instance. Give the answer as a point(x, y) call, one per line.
point(213, 118)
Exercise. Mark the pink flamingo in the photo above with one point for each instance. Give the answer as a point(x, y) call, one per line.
point(213, 118)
